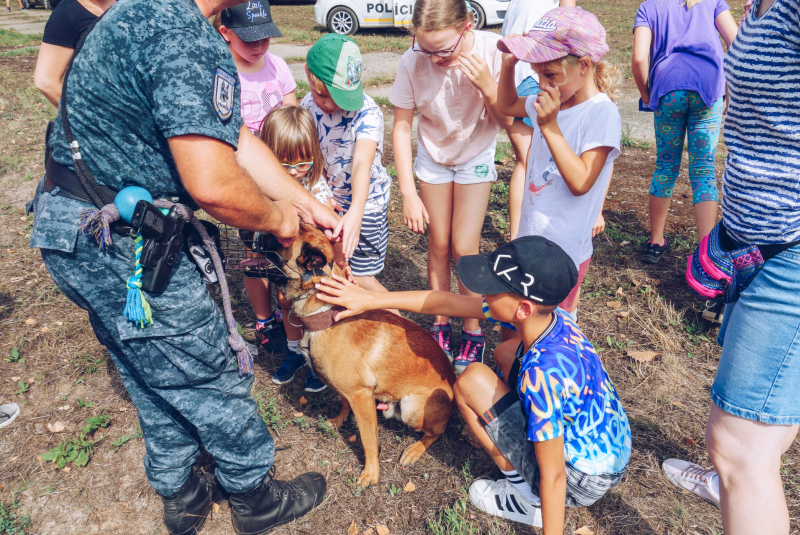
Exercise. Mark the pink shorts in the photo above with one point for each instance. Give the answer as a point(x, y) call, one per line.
point(568, 303)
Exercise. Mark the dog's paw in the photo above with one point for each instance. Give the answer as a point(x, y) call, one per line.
point(336, 422)
point(369, 477)
point(412, 454)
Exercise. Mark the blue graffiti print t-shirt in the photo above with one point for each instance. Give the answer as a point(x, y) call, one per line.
point(565, 390)
point(338, 133)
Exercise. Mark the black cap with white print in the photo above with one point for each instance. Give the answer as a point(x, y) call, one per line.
point(531, 266)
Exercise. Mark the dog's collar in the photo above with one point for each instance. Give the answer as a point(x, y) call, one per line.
point(319, 321)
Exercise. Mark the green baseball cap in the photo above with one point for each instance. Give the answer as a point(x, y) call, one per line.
point(336, 60)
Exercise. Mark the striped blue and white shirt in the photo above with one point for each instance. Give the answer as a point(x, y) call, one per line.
point(761, 185)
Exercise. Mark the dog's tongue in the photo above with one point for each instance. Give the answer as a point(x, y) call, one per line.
point(383, 406)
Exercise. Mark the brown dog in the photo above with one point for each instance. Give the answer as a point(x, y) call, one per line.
point(375, 355)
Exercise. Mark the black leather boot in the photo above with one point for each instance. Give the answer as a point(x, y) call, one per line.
point(274, 502)
point(186, 511)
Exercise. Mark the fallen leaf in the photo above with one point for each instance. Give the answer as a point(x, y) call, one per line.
point(496, 328)
point(370, 531)
point(66, 469)
point(583, 531)
point(215, 508)
point(298, 414)
point(9, 251)
point(56, 427)
point(45, 329)
point(678, 404)
point(642, 356)
point(381, 529)
point(11, 460)
point(15, 378)
point(656, 282)
point(39, 458)
point(32, 380)
point(64, 408)
point(303, 400)
point(688, 441)
point(614, 304)
point(23, 218)
point(59, 323)
point(619, 291)
point(352, 439)
point(353, 529)
point(123, 409)
point(622, 314)
point(626, 242)
point(410, 486)
point(30, 321)
point(636, 283)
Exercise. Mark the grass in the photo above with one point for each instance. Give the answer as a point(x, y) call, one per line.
point(294, 59)
point(13, 38)
point(12, 523)
point(629, 142)
point(380, 80)
point(383, 102)
point(301, 90)
point(19, 52)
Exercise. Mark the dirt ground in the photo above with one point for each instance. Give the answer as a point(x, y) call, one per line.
point(56, 370)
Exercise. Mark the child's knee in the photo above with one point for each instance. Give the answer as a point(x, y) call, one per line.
point(283, 302)
point(476, 377)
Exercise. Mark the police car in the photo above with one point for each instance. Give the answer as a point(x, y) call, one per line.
point(347, 16)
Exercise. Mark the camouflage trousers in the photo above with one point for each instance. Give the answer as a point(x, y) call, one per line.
point(180, 372)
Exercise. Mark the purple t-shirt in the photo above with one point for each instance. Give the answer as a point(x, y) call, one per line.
point(686, 53)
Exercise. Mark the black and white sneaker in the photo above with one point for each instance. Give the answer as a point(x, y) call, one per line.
point(500, 498)
point(651, 253)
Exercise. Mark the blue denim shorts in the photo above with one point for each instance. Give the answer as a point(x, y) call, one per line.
point(758, 377)
point(529, 86)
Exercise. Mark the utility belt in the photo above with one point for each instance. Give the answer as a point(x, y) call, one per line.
point(165, 235)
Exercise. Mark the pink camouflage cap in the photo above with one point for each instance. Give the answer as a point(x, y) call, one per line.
point(560, 32)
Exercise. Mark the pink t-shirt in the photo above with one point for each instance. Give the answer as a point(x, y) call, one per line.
point(454, 125)
point(264, 90)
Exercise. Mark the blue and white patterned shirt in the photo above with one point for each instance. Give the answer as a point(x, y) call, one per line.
point(565, 391)
point(761, 185)
point(338, 133)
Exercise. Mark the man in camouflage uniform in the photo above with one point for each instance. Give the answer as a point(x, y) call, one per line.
point(153, 99)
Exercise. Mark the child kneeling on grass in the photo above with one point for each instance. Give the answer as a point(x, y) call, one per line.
point(553, 422)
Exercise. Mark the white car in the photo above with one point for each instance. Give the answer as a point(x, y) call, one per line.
point(347, 16)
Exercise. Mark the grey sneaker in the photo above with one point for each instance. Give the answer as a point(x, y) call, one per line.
point(651, 253)
point(500, 498)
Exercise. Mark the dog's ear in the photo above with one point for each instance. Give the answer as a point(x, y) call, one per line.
point(311, 257)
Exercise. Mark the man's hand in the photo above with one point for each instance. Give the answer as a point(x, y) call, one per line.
point(321, 216)
point(477, 71)
point(290, 226)
point(339, 291)
point(547, 104)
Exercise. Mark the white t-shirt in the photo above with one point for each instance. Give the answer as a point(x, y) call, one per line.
point(520, 17)
point(549, 209)
point(338, 133)
point(454, 125)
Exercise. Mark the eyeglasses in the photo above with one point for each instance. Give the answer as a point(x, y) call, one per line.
point(301, 167)
point(441, 53)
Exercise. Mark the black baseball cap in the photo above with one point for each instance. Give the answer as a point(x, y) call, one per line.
point(531, 266)
point(251, 21)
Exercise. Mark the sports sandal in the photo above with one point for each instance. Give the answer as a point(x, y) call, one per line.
point(471, 350)
point(442, 335)
point(272, 337)
point(714, 311)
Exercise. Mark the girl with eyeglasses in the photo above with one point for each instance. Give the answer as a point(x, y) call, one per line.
point(291, 134)
point(450, 76)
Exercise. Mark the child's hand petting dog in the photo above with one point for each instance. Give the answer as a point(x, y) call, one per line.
point(339, 291)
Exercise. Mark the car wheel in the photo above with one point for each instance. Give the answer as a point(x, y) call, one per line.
point(343, 21)
point(480, 16)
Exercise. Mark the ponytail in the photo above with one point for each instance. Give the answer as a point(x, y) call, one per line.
point(608, 76)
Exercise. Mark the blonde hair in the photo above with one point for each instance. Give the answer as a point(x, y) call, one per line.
point(317, 84)
point(216, 21)
point(607, 76)
point(690, 4)
point(437, 15)
point(291, 134)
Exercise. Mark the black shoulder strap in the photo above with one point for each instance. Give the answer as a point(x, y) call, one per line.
point(99, 196)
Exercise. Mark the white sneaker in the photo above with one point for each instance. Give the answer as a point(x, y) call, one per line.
point(693, 478)
point(500, 498)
